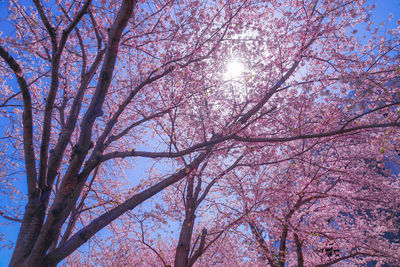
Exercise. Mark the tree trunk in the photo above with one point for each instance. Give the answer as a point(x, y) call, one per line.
point(29, 231)
point(185, 237)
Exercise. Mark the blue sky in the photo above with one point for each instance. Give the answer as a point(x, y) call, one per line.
point(383, 9)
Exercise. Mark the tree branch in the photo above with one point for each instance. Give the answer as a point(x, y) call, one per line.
point(62, 203)
point(96, 225)
point(261, 243)
point(299, 251)
point(274, 89)
point(5, 216)
point(200, 249)
point(50, 29)
point(55, 63)
point(368, 112)
point(342, 258)
point(316, 135)
point(27, 122)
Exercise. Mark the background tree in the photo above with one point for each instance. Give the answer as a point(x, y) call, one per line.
point(97, 82)
point(320, 212)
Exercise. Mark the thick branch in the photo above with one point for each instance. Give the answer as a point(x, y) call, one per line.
point(27, 122)
point(96, 225)
point(55, 63)
point(68, 129)
point(316, 135)
point(133, 153)
point(63, 204)
point(219, 139)
point(262, 244)
point(282, 247)
point(299, 251)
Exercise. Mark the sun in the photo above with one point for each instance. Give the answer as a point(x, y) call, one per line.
point(234, 69)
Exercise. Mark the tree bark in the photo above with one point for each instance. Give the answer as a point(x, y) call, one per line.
point(299, 251)
point(183, 248)
point(29, 231)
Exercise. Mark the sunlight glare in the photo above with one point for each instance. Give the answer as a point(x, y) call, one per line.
point(234, 69)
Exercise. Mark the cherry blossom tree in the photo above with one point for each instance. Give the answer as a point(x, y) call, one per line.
point(92, 88)
point(311, 210)
point(199, 238)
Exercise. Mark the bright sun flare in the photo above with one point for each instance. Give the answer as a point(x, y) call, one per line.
point(234, 69)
